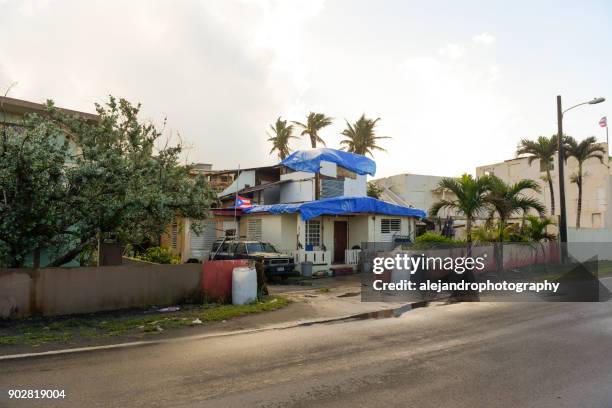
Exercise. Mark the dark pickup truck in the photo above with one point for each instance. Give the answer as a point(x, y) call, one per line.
point(275, 263)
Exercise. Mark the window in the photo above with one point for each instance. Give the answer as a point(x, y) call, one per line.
point(174, 235)
point(240, 249)
point(313, 233)
point(551, 165)
point(260, 247)
point(254, 230)
point(388, 228)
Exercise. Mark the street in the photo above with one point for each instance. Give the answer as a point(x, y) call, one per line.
point(469, 355)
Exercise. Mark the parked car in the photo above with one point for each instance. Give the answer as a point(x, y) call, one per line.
point(275, 263)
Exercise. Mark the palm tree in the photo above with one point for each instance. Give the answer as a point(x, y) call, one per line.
point(535, 229)
point(314, 123)
point(361, 137)
point(470, 198)
point(509, 199)
point(280, 138)
point(586, 149)
point(542, 149)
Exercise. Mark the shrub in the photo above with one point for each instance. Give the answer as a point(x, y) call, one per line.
point(432, 237)
point(159, 255)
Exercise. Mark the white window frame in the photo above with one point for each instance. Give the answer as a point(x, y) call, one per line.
point(390, 227)
point(312, 233)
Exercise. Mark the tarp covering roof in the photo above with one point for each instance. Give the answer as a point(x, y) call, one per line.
point(310, 161)
point(338, 206)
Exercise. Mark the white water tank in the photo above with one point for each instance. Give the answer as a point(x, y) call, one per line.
point(244, 285)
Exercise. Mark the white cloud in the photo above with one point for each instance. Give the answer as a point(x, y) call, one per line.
point(483, 39)
point(452, 51)
point(494, 72)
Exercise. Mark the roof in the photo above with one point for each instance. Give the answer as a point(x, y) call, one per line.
point(338, 206)
point(22, 107)
point(310, 161)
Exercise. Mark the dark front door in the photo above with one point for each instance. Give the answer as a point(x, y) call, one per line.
point(340, 241)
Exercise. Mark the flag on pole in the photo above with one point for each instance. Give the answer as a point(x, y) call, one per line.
point(243, 202)
point(603, 122)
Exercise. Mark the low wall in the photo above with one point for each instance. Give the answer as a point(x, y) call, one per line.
point(59, 291)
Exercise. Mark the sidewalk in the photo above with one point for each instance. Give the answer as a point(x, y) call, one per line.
point(322, 300)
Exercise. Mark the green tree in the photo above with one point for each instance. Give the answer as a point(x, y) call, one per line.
point(542, 149)
point(470, 199)
point(535, 228)
point(35, 184)
point(281, 134)
point(314, 123)
point(586, 149)
point(121, 180)
point(360, 137)
point(507, 200)
point(374, 190)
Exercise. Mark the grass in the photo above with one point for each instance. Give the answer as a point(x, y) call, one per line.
point(37, 330)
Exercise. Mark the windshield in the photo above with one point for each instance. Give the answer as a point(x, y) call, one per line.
point(260, 247)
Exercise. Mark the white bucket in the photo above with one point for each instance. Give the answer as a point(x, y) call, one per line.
point(244, 285)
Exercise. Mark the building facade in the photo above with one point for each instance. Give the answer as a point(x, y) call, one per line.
point(596, 191)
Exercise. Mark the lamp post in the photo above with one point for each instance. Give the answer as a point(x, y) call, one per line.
point(560, 113)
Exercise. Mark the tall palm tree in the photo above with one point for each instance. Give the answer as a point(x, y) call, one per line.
point(361, 136)
point(507, 200)
point(586, 149)
point(314, 123)
point(281, 133)
point(470, 198)
point(542, 149)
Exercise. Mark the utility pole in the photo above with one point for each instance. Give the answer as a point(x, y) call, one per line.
point(561, 151)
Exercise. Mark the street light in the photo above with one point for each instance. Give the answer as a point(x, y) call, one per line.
point(560, 113)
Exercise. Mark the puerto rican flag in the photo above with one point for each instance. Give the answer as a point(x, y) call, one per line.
point(603, 122)
point(243, 202)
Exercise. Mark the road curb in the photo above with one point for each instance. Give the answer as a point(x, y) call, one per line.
point(379, 314)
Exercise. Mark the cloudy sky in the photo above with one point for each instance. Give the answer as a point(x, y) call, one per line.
point(456, 84)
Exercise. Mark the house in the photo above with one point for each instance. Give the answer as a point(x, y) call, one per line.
point(596, 194)
point(421, 191)
point(313, 205)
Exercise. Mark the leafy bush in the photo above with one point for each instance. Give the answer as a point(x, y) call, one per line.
point(159, 255)
point(432, 237)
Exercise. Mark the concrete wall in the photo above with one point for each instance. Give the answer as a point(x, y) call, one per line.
point(60, 291)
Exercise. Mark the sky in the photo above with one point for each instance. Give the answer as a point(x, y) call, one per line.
point(455, 84)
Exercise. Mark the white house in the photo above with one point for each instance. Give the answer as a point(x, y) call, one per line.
point(313, 205)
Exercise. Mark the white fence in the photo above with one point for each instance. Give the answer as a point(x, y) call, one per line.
point(351, 256)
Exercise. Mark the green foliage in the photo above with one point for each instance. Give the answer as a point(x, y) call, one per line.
point(535, 229)
point(586, 149)
point(159, 255)
point(314, 123)
point(507, 200)
point(469, 198)
point(360, 137)
point(35, 189)
point(543, 149)
point(114, 176)
point(282, 133)
point(374, 190)
point(432, 237)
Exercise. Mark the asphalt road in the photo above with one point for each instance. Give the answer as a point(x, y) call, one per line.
point(462, 355)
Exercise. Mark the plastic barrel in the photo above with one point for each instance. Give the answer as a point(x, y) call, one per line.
point(244, 285)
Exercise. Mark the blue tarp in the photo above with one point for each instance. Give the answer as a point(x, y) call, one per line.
point(338, 206)
point(310, 161)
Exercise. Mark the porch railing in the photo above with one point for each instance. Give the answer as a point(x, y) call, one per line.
point(316, 257)
point(351, 256)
